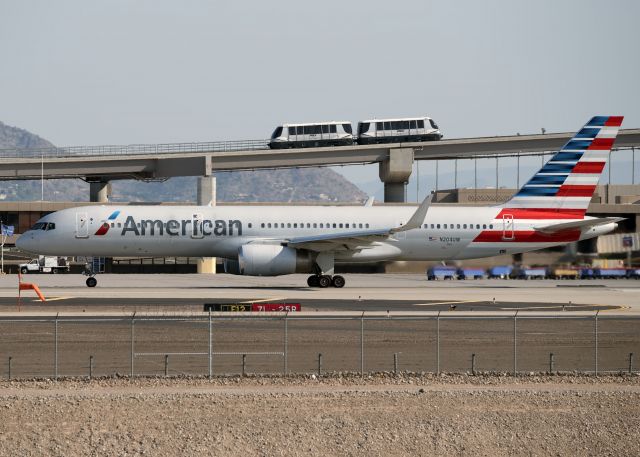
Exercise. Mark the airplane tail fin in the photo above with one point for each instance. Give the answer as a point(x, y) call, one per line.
point(566, 183)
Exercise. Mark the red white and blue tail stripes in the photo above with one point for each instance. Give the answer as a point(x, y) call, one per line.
point(567, 181)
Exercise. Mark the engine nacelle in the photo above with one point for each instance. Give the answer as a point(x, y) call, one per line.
point(272, 260)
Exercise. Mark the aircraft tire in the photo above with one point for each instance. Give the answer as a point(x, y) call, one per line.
point(91, 282)
point(324, 281)
point(312, 281)
point(338, 281)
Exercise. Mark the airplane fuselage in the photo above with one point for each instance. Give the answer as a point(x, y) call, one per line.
point(448, 232)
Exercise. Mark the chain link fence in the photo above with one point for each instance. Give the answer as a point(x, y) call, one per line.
point(215, 344)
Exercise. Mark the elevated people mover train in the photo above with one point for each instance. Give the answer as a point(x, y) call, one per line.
point(376, 131)
point(334, 133)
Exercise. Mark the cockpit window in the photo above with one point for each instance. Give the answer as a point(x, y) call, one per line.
point(39, 226)
point(43, 226)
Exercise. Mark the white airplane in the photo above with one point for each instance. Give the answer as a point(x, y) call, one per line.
point(549, 210)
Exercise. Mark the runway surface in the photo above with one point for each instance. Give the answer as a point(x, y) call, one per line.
point(377, 292)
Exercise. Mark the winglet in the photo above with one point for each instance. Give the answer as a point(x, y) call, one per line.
point(369, 201)
point(418, 217)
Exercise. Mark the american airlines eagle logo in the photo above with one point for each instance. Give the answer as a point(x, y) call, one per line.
point(104, 228)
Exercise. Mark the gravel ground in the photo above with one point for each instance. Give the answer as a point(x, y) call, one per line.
point(335, 415)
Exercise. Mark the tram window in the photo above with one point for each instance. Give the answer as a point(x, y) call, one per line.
point(347, 128)
point(325, 129)
point(421, 123)
point(412, 125)
point(333, 128)
point(379, 126)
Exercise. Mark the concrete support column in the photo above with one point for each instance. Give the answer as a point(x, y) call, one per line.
point(206, 195)
point(99, 191)
point(394, 172)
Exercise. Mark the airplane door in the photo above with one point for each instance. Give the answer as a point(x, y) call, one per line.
point(507, 227)
point(196, 226)
point(82, 225)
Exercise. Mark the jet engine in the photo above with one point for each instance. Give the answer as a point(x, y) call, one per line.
point(269, 260)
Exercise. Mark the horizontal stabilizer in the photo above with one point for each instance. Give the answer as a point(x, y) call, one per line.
point(586, 223)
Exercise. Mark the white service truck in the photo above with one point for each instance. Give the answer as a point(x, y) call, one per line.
point(45, 264)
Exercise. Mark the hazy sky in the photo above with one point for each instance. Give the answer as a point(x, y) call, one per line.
point(146, 71)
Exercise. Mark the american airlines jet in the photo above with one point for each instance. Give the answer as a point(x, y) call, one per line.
point(549, 210)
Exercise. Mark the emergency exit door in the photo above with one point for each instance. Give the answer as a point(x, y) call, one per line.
point(507, 227)
point(82, 225)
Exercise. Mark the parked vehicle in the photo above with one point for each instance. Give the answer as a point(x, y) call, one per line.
point(471, 273)
point(45, 264)
point(376, 131)
point(563, 273)
point(441, 272)
point(312, 135)
point(529, 273)
point(500, 271)
point(610, 273)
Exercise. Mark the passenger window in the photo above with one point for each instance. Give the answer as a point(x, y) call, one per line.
point(445, 226)
point(315, 225)
point(457, 225)
point(288, 225)
point(295, 225)
point(490, 226)
point(321, 225)
point(51, 226)
point(334, 225)
point(432, 226)
point(438, 226)
point(119, 224)
point(308, 225)
point(250, 225)
point(379, 126)
point(464, 226)
point(421, 123)
point(346, 225)
point(340, 225)
point(477, 226)
point(113, 224)
point(359, 225)
point(484, 226)
point(367, 225)
point(412, 125)
point(333, 128)
point(325, 129)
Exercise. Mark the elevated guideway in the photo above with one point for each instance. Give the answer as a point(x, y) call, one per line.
point(100, 164)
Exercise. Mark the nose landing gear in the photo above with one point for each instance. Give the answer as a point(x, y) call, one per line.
point(323, 281)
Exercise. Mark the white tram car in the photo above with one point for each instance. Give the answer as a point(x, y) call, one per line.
point(376, 131)
point(334, 133)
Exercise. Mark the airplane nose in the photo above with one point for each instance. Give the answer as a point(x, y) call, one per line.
point(24, 242)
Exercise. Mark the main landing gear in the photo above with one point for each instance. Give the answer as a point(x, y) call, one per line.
point(324, 281)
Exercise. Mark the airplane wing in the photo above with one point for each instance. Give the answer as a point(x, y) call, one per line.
point(587, 223)
point(361, 239)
